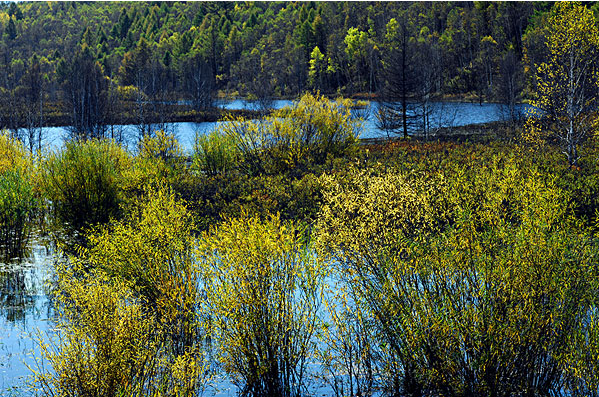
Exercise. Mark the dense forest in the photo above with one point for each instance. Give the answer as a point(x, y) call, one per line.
point(91, 64)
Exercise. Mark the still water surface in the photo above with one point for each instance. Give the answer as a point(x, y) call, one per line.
point(25, 310)
point(443, 114)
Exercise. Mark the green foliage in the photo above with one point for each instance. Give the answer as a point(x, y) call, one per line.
point(215, 153)
point(317, 68)
point(83, 182)
point(476, 284)
point(297, 137)
point(260, 50)
point(17, 195)
point(263, 289)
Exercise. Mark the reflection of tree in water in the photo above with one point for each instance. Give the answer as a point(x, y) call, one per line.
point(15, 296)
point(20, 277)
point(13, 243)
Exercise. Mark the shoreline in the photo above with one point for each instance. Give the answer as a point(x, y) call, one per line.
point(175, 114)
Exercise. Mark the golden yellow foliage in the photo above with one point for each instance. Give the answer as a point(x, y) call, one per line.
point(13, 154)
point(263, 289)
point(128, 322)
point(470, 281)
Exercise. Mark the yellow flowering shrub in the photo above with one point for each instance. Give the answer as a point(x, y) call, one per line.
point(480, 287)
point(263, 289)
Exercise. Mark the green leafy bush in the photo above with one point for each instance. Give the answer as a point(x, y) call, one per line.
point(83, 182)
point(298, 137)
point(215, 153)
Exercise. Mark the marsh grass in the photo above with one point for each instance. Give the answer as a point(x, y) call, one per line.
point(18, 199)
point(82, 182)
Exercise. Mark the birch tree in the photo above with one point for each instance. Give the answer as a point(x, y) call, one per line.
point(567, 82)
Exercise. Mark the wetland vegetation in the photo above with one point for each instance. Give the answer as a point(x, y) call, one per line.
point(284, 256)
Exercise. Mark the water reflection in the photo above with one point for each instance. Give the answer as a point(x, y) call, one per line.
point(24, 308)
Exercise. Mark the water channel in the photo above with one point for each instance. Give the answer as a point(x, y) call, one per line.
point(25, 308)
point(442, 114)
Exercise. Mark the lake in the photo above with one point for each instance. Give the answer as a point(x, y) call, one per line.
point(442, 114)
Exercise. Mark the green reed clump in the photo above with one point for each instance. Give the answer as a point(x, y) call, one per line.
point(83, 182)
point(215, 153)
point(17, 194)
point(17, 206)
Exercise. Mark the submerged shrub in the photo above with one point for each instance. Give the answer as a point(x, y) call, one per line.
point(311, 130)
point(13, 154)
point(263, 289)
point(129, 321)
point(17, 194)
point(108, 344)
point(162, 146)
point(215, 153)
point(488, 294)
point(346, 352)
point(307, 133)
point(83, 182)
point(152, 248)
point(159, 163)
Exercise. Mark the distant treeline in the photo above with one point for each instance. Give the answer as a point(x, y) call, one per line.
point(90, 59)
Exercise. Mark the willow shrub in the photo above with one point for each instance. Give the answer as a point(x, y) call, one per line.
point(306, 133)
point(17, 194)
point(215, 153)
point(83, 182)
point(159, 163)
point(106, 343)
point(129, 320)
point(346, 353)
point(152, 248)
point(263, 290)
point(478, 283)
